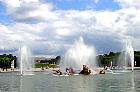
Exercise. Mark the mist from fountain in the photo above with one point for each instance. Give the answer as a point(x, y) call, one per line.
point(126, 58)
point(25, 61)
point(78, 55)
point(130, 53)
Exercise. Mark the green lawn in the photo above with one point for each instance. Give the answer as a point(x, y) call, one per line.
point(38, 65)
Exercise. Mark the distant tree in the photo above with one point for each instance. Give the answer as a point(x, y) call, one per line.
point(58, 58)
point(5, 60)
point(111, 54)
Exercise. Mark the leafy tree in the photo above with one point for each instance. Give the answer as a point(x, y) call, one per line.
point(5, 60)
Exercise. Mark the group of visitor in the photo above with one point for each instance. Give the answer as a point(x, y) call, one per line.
point(70, 71)
point(57, 72)
point(102, 71)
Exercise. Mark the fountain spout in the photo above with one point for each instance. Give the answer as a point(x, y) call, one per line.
point(78, 55)
point(25, 61)
point(130, 53)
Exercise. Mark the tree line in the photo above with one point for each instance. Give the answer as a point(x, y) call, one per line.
point(6, 60)
point(103, 60)
point(106, 59)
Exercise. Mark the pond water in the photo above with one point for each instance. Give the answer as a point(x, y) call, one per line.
point(43, 82)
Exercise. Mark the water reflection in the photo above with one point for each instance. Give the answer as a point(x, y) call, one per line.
point(11, 87)
point(82, 84)
point(136, 81)
point(26, 84)
point(9, 82)
point(123, 82)
point(21, 84)
point(133, 82)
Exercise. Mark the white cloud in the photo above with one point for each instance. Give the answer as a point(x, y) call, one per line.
point(12, 3)
point(95, 1)
point(55, 30)
point(63, 32)
point(33, 10)
point(129, 3)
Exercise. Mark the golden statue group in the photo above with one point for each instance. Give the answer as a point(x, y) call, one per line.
point(85, 71)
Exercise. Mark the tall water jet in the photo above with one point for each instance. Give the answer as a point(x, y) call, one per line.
point(25, 61)
point(129, 54)
point(126, 58)
point(78, 55)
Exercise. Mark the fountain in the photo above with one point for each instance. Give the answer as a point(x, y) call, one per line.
point(127, 56)
point(111, 65)
point(25, 61)
point(78, 55)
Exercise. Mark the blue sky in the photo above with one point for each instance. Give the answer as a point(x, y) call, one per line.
point(52, 26)
point(86, 4)
point(68, 5)
point(4, 18)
